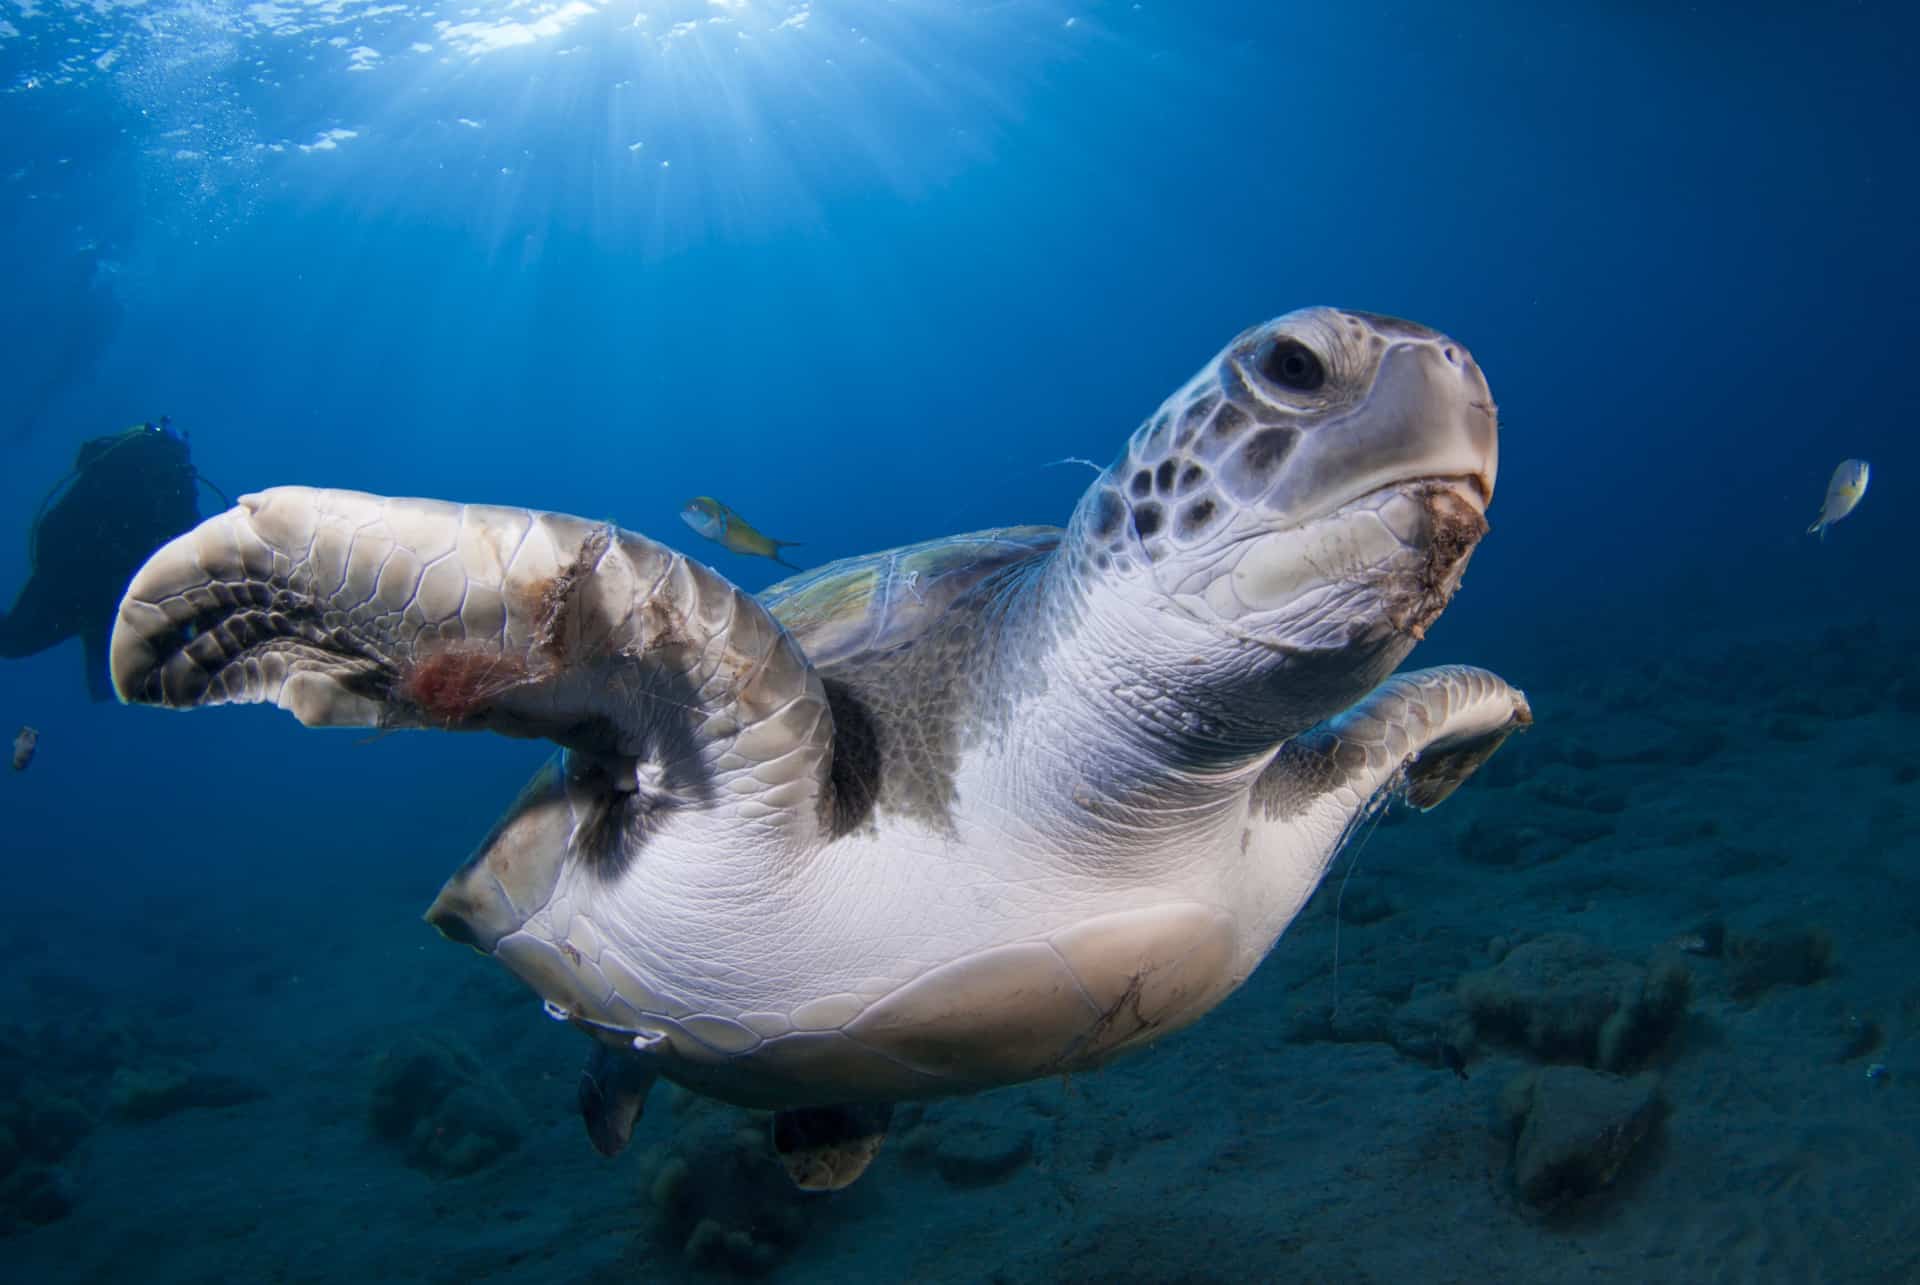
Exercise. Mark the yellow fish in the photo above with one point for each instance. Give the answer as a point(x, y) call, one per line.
point(1843, 492)
point(731, 531)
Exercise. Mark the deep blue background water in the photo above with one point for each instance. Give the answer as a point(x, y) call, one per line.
point(900, 257)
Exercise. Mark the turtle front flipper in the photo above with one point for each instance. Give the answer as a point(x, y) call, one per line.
point(1419, 734)
point(667, 685)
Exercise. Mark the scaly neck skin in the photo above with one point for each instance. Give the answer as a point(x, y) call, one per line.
point(1108, 740)
point(1148, 716)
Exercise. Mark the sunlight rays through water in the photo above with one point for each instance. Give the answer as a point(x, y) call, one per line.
point(651, 125)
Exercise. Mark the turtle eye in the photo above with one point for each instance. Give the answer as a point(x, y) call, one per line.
point(1291, 364)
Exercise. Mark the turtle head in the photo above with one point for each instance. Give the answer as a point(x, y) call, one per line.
point(1306, 503)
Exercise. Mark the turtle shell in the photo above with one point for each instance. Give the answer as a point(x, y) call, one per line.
point(866, 605)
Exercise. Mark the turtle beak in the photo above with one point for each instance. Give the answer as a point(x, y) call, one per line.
point(1428, 419)
point(1478, 429)
point(1455, 426)
point(1475, 490)
point(1482, 407)
point(1467, 427)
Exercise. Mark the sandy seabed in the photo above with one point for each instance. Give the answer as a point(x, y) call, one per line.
point(260, 1091)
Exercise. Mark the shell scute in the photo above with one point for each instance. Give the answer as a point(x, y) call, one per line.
point(862, 606)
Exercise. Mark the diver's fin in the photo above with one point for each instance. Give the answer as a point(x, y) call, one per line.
point(99, 676)
point(613, 1089)
point(826, 1148)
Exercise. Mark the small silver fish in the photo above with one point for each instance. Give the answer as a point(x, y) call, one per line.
point(1843, 492)
point(24, 744)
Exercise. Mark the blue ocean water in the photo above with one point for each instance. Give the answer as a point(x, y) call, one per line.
point(868, 272)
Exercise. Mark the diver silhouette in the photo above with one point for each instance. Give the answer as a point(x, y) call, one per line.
point(128, 494)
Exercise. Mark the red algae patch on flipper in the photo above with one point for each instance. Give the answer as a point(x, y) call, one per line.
point(456, 684)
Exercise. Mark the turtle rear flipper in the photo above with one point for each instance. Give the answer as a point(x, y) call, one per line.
point(826, 1148)
point(613, 1090)
point(667, 684)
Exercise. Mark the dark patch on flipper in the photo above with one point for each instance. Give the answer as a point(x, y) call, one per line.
point(1441, 770)
point(826, 1148)
point(613, 1089)
point(99, 676)
point(1416, 738)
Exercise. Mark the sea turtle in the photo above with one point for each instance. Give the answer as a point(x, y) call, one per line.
point(921, 823)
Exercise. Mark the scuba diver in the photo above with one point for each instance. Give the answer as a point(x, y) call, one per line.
point(128, 494)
